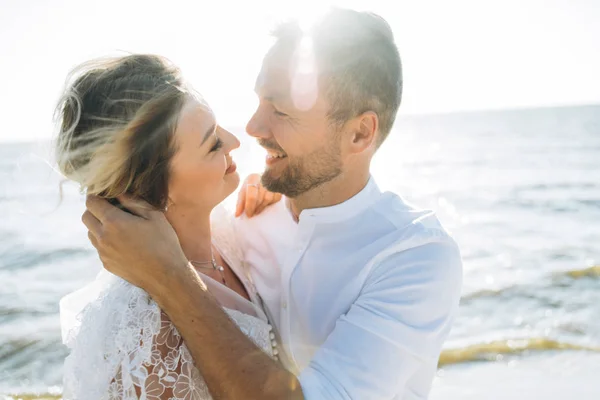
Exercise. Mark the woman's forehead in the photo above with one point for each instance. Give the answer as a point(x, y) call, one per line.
point(196, 118)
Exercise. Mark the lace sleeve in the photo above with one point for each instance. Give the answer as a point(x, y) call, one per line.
point(168, 374)
point(123, 348)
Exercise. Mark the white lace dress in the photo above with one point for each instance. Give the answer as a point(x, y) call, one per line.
point(122, 346)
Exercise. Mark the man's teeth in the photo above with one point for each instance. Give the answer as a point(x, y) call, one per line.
point(270, 155)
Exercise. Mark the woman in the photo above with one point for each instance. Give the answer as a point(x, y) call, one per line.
point(132, 126)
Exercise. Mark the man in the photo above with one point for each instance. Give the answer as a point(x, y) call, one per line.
point(361, 287)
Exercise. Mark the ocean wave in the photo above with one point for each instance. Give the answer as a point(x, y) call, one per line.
point(21, 361)
point(492, 351)
point(11, 349)
point(483, 293)
point(590, 272)
point(558, 206)
point(574, 274)
point(23, 258)
point(557, 185)
point(31, 396)
point(10, 313)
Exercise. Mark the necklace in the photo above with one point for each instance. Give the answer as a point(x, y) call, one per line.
point(213, 265)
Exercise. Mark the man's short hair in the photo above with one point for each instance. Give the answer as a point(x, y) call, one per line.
point(359, 61)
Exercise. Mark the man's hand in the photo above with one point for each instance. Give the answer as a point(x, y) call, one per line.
point(253, 198)
point(142, 248)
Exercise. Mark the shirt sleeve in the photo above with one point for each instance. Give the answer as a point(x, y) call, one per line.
point(396, 326)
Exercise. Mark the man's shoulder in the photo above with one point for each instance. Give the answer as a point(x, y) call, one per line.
point(415, 235)
point(408, 219)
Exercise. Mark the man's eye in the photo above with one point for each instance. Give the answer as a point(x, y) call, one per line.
point(218, 144)
point(280, 114)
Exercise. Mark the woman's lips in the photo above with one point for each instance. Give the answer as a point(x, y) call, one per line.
point(231, 169)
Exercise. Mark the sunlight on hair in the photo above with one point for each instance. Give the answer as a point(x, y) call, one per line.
point(309, 13)
point(304, 76)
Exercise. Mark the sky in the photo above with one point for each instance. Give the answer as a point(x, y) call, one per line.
point(457, 55)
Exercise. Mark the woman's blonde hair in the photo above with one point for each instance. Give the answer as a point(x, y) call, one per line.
point(117, 120)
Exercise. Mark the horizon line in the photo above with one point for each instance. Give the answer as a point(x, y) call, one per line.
point(400, 114)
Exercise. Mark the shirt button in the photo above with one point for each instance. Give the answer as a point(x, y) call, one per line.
point(284, 305)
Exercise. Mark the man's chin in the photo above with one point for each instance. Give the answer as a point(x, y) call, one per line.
point(273, 181)
point(269, 177)
point(276, 169)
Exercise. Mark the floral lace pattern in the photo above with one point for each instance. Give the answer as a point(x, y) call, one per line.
point(123, 347)
point(135, 352)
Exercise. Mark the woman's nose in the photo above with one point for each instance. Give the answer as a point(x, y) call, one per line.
point(231, 141)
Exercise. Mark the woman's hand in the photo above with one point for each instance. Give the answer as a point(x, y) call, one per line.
point(253, 198)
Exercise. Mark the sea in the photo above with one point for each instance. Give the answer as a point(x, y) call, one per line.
point(518, 189)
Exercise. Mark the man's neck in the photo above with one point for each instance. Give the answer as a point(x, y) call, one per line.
point(334, 192)
point(193, 230)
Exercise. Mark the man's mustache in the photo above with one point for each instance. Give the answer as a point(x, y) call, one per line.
point(269, 145)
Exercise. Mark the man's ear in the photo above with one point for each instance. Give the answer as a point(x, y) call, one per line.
point(364, 132)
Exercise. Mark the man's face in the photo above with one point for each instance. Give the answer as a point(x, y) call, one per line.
point(291, 123)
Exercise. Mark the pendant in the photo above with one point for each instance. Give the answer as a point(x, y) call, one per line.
point(221, 272)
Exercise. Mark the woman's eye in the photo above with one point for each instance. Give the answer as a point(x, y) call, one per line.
point(218, 144)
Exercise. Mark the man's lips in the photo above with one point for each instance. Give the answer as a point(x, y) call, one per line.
point(271, 148)
point(274, 153)
point(273, 159)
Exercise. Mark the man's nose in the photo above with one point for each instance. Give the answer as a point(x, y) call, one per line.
point(258, 126)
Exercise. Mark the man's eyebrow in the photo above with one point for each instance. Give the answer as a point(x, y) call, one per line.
point(276, 98)
point(271, 97)
point(209, 132)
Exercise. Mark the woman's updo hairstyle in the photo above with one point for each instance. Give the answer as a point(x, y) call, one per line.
point(117, 120)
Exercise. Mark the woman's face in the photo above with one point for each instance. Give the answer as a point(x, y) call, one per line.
point(202, 172)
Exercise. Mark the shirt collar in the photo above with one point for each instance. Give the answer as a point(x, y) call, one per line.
point(349, 208)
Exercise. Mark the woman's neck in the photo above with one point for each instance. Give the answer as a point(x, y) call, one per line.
point(193, 230)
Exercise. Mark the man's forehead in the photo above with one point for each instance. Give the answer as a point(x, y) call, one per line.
point(282, 72)
point(274, 76)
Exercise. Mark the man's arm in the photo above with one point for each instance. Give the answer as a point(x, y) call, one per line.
point(144, 250)
point(231, 364)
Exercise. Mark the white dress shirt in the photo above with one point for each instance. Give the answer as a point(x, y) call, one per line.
point(362, 293)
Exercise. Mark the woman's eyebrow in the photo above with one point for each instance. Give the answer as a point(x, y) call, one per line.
point(209, 133)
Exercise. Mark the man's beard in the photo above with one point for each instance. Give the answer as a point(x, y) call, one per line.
point(304, 173)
